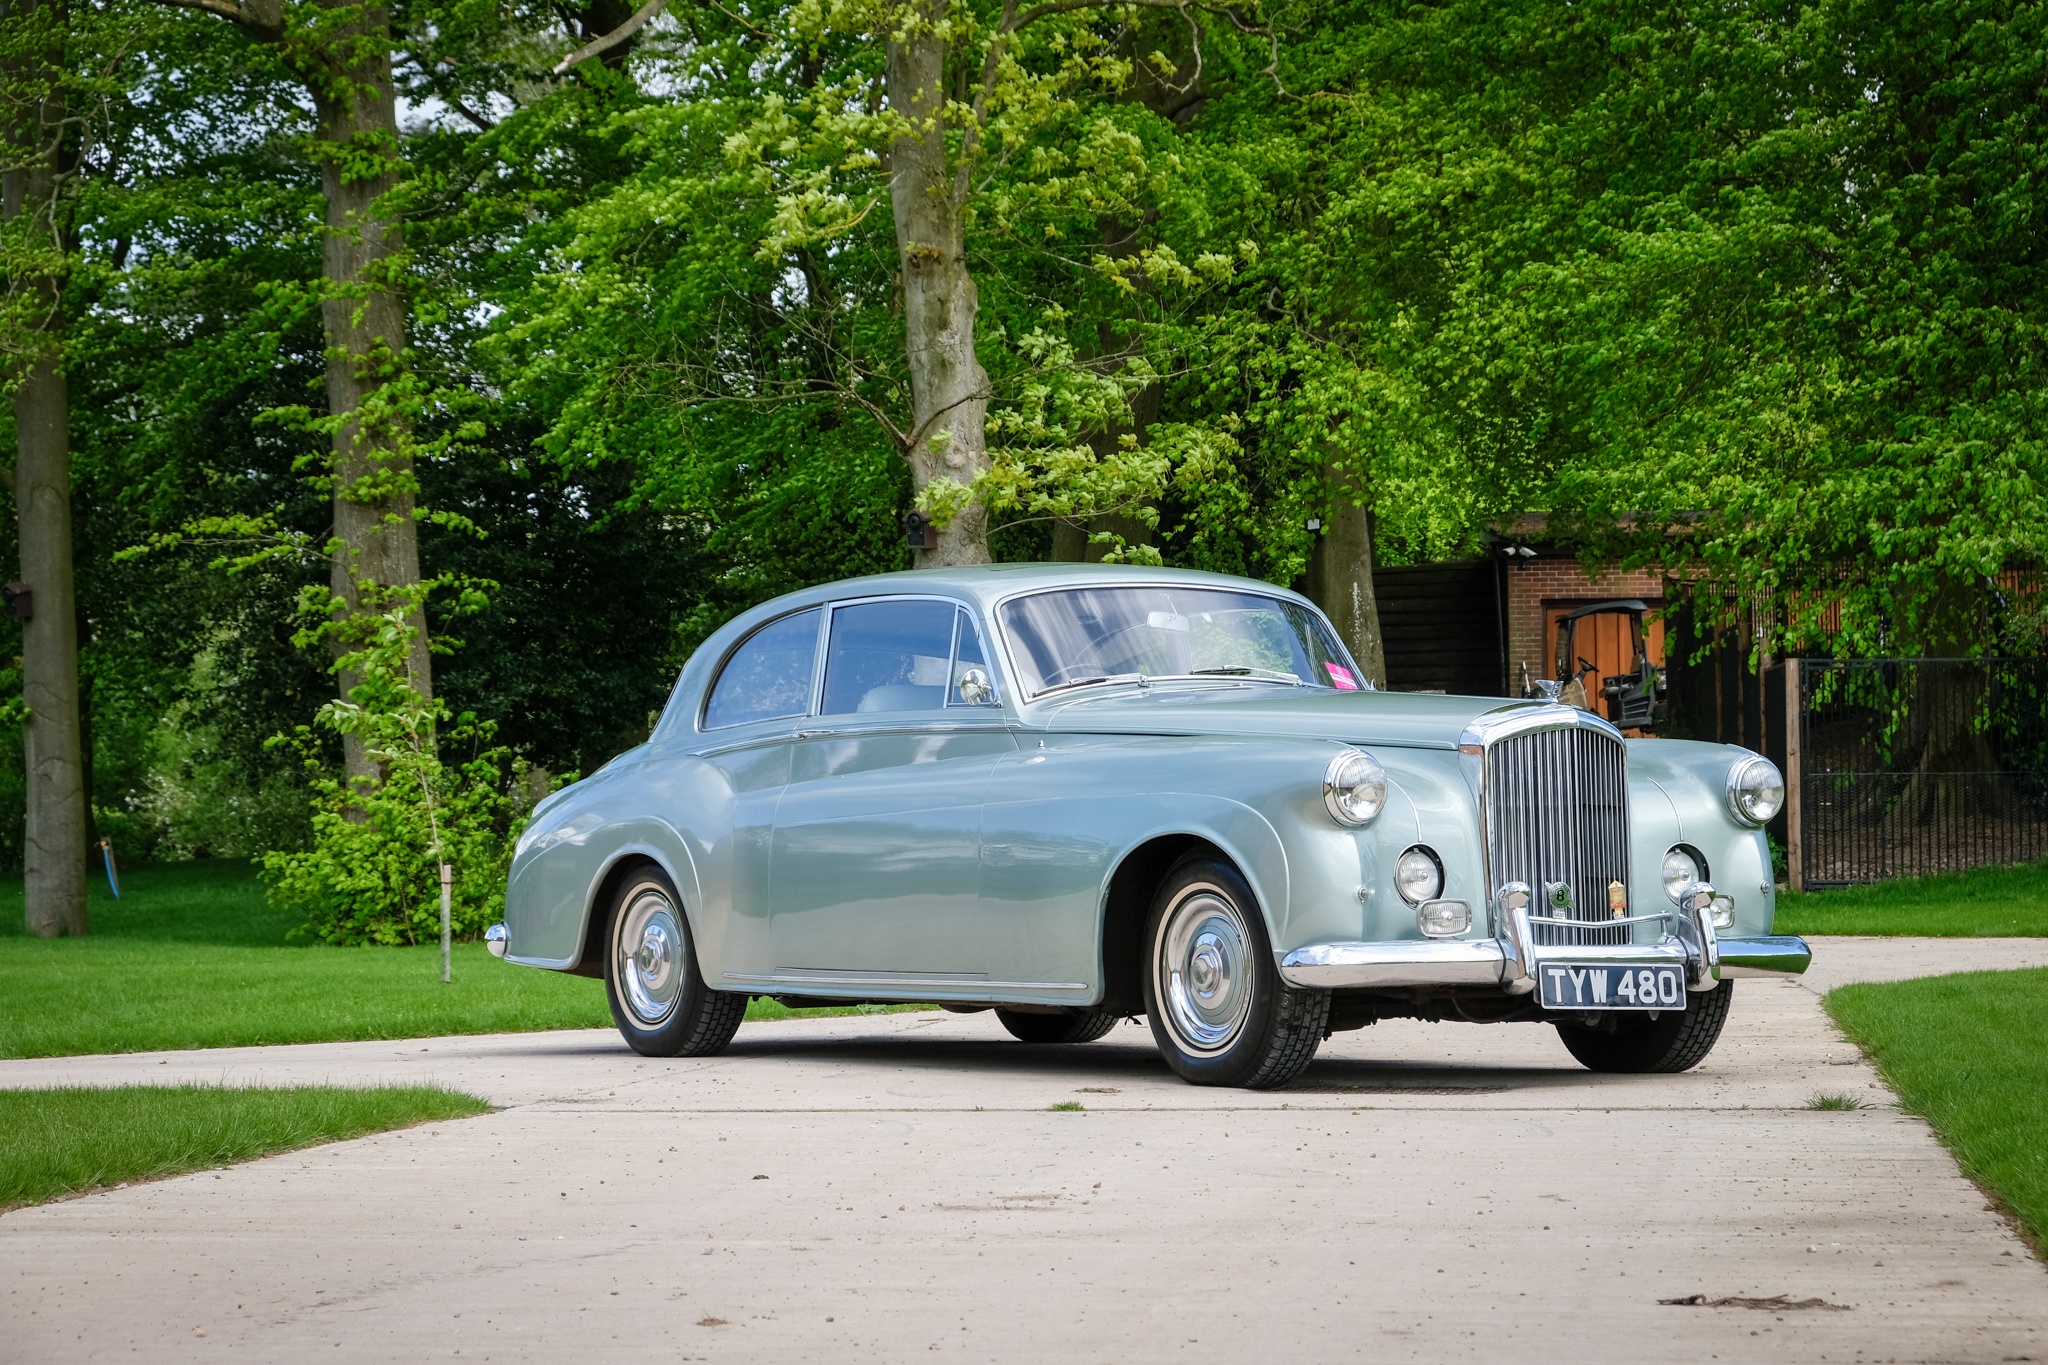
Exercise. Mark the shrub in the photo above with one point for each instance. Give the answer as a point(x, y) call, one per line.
point(372, 874)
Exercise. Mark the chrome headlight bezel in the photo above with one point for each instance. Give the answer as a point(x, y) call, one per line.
point(1354, 788)
point(1423, 854)
point(1756, 791)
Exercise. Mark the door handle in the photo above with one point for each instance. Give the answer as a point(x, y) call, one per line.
point(815, 734)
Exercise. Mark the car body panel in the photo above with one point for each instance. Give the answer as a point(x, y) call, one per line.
point(967, 853)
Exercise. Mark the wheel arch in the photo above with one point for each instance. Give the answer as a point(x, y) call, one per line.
point(621, 865)
point(1127, 902)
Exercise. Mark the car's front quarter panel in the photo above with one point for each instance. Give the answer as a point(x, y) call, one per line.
point(1693, 778)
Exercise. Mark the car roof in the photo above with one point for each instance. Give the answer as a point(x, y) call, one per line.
point(989, 583)
point(985, 584)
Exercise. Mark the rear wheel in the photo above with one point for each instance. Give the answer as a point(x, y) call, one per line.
point(1218, 1007)
point(1068, 1026)
point(1637, 1045)
point(651, 979)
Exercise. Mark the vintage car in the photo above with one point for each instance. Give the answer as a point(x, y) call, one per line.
point(1077, 793)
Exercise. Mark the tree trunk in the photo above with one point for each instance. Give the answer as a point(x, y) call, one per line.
point(1340, 580)
point(54, 848)
point(364, 314)
point(949, 390)
point(54, 851)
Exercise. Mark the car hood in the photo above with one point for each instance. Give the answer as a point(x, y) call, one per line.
point(1403, 719)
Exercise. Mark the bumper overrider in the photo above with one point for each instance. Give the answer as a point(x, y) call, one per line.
point(1512, 960)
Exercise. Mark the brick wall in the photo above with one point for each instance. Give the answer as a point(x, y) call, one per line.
point(1535, 584)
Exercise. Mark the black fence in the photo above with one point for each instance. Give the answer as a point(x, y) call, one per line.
point(1903, 767)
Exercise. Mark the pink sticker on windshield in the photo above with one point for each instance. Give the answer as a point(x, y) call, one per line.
point(1340, 677)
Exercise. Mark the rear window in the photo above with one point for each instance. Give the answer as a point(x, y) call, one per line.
point(769, 676)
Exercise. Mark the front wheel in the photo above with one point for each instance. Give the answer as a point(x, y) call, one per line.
point(651, 979)
point(1218, 1007)
point(1639, 1046)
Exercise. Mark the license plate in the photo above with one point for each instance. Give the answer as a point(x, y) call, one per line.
point(1610, 986)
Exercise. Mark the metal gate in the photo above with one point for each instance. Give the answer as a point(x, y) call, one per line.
point(1904, 767)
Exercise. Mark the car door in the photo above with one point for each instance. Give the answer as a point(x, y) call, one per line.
point(752, 713)
point(876, 864)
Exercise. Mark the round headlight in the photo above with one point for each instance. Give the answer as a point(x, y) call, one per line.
point(1354, 787)
point(1418, 876)
point(1682, 867)
point(1756, 790)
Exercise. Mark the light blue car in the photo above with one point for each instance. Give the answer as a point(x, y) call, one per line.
point(1073, 793)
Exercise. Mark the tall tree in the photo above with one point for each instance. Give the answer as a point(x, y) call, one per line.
point(963, 90)
point(341, 51)
point(40, 145)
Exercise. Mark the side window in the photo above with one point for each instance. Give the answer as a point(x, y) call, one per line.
point(973, 680)
point(888, 656)
point(769, 676)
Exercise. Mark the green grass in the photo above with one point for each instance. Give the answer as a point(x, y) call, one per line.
point(1987, 902)
point(1968, 1053)
point(193, 956)
point(1836, 1103)
point(56, 1142)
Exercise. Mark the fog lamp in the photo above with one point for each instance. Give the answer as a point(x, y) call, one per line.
point(1418, 876)
point(1721, 912)
point(1682, 867)
point(1443, 919)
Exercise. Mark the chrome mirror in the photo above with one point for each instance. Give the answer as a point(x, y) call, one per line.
point(975, 688)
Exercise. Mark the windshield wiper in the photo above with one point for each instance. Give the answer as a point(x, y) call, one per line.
point(1246, 671)
point(1090, 682)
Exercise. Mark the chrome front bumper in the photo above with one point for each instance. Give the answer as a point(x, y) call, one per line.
point(1512, 960)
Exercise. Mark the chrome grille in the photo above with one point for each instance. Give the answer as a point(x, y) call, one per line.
point(1557, 812)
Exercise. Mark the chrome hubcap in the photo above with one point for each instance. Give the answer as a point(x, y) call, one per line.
point(1204, 977)
point(650, 964)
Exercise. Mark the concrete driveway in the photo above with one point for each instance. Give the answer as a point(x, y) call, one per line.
point(898, 1186)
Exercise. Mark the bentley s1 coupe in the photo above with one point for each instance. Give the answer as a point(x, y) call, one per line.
point(1076, 793)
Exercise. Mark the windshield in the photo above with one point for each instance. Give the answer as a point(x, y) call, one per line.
point(1081, 635)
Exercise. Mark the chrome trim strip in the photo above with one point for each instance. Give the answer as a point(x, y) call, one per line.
point(1766, 955)
point(757, 742)
point(851, 981)
point(1540, 921)
point(1529, 719)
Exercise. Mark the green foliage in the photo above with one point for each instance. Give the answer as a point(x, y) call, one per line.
point(372, 874)
point(64, 1139)
point(1751, 293)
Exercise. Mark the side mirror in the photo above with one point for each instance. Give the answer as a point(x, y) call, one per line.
point(975, 688)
